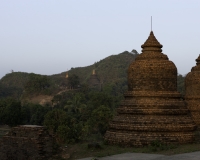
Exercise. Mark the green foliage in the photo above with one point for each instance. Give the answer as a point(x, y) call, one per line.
point(100, 119)
point(55, 118)
point(10, 112)
point(157, 145)
point(65, 127)
point(37, 84)
point(12, 84)
point(6, 92)
point(181, 84)
point(73, 81)
point(26, 114)
point(33, 113)
point(115, 64)
point(62, 133)
point(15, 79)
point(75, 115)
point(75, 105)
point(85, 112)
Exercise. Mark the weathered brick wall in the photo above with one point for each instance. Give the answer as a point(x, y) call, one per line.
point(152, 109)
point(28, 142)
point(192, 92)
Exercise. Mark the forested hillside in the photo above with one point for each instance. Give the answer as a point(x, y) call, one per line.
point(12, 84)
point(77, 114)
point(111, 71)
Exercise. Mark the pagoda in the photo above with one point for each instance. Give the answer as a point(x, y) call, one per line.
point(94, 80)
point(192, 92)
point(152, 109)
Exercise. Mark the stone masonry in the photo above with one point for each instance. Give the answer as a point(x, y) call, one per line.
point(192, 92)
point(27, 142)
point(153, 110)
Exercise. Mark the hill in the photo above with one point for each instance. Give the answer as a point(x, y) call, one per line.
point(12, 84)
point(111, 71)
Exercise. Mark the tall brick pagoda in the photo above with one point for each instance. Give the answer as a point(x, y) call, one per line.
point(192, 92)
point(152, 109)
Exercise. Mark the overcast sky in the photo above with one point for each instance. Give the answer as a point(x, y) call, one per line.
point(51, 36)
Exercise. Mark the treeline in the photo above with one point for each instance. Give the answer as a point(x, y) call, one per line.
point(19, 84)
point(181, 84)
point(111, 71)
point(74, 115)
point(39, 84)
point(79, 115)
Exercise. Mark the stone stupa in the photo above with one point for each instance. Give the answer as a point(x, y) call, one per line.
point(94, 81)
point(152, 109)
point(192, 92)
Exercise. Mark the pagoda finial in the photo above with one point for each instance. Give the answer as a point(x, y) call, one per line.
point(93, 72)
point(151, 44)
point(151, 23)
point(198, 60)
point(67, 75)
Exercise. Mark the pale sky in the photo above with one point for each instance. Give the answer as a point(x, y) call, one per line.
point(50, 36)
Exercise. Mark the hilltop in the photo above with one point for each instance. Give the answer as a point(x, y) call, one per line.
point(111, 71)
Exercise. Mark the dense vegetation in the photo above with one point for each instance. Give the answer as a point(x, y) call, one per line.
point(80, 114)
point(76, 116)
point(181, 84)
point(12, 84)
point(20, 85)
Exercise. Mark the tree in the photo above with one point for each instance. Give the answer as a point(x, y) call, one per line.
point(37, 83)
point(181, 84)
point(55, 118)
point(75, 105)
point(73, 81)
point(65, 127)
point(101, 98)
point(10, 112)
point(100, 119)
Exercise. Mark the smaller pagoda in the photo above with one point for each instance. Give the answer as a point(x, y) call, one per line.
point(94, 81)
point(67, 75)
point(192, 92)
point(66, 83)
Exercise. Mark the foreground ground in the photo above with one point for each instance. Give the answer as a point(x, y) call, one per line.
point(145, 156)
point(156, 151)
point(106, 152)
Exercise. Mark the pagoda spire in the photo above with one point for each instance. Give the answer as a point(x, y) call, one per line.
point(152, 44)
point(93, 72)
point(198, 60)
point(67, 75)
